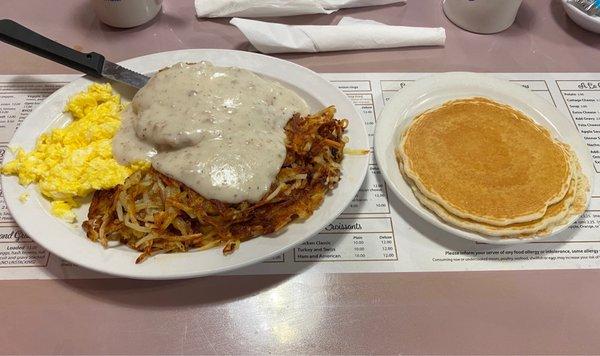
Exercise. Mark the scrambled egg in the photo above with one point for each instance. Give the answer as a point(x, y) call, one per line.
point(71, 162)
point(24, 197)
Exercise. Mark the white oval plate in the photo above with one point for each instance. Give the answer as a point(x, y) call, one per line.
point(69, 241)
point(433, 91)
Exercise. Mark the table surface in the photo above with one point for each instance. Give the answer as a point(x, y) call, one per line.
point(474, 312)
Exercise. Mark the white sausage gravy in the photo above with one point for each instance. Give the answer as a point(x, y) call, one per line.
point(219, 130)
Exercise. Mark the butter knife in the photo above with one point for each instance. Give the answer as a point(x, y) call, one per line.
point(91, 63)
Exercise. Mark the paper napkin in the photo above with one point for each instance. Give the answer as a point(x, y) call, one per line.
point(349, 34)
point(267, 8)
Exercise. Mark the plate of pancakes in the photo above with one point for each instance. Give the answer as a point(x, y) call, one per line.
point(483, 158)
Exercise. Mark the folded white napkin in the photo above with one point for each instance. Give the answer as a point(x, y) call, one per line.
point(266, 8)
point(349, 34)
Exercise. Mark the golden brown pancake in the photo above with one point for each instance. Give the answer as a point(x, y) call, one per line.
point(574, 203)
point(554, 214)
point(485, 161)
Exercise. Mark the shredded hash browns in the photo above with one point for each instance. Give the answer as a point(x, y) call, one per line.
point(153, 213)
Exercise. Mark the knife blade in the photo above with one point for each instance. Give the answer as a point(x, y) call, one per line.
point(120, 74)
point(91, 63)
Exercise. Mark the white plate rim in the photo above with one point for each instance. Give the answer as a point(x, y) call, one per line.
point(390, 123)
point(100, 259)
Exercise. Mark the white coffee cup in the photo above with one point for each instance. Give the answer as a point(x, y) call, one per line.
point(482, 16)
point(126, 13)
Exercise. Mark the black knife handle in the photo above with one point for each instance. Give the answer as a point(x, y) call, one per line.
point(22, 37)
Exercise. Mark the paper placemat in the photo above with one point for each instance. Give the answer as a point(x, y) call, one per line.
point(376, 233)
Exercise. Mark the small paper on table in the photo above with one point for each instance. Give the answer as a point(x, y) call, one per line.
point(349, 34)
point(267, 8)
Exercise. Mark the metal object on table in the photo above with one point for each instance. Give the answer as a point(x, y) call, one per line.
point(590, 7)
point(91, 63)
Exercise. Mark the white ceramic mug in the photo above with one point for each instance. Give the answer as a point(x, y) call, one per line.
point(482, 16)
point(126, 13)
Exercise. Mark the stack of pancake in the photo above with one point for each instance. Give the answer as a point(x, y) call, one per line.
point(488, 168)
